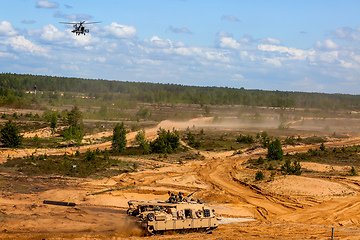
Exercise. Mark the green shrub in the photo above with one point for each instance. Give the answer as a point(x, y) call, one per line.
point(275, 151)
point(10, 135)
point(144, 113)
point(166, 142)
point(265, 139)
point(260, 160)
point(135, 167)
point(36, 141)
point(119, 138)
point(73, 133)
point(290, 140)
point(192, 140)
point(259, 176)
point(245, 139)
point(353, 171)
point(89, 155)
point(106, 155)
point(289, 169)
point(283, 126)
point(322, 147)
point(74, 117)
point(142, 142)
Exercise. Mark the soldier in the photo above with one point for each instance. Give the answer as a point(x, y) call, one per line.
point(172, 198)
point(180, 197)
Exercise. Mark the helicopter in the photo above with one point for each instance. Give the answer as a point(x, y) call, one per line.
point(79, 28)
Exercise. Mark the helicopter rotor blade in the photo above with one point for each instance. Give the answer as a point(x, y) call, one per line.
point(68, 23)
point(83, 22)
point(90, 22)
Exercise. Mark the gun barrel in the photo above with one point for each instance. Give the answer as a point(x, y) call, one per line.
point(190, 194)
point(68, 204)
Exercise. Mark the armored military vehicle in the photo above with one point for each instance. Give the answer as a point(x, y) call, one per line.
point(156, 217)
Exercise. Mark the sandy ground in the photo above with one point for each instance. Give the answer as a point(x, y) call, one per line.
point(291, 207)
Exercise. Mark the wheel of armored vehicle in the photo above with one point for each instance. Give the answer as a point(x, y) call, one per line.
point(150, 230)
point(199, 214)
point(151, 216)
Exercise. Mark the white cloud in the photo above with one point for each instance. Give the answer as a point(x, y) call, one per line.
point(348, 34)
point(6, 29)
point(46, 4)
point(179, 44)
point(184, 51)
point(217, 56)
point(156, 42)
point(148, 62)
point(119, 31)
point(70, 66)
point(307, 84)
point(228, 42)
point(100, 59)
point(230, 17)
point(49, 33)
point(21, 45)
point(179, 30)
point(84, 41)
point(237, 76)
point(28, 21)
point(272, 41)
point(244, 54)
point(8, 55)
point(293, 53)
point(72, 17)
point(328, 57)
point(327, 45)
point(223, 33)
point(272, 62)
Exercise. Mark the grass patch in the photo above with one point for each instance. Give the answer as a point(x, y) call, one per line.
point(313, 140)
point(341, 156)
point(99, 164)
point(213, 140)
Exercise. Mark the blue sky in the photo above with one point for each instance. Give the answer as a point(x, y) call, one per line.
point(311, 46)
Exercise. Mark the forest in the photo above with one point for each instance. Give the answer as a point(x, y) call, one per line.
point(15, 86)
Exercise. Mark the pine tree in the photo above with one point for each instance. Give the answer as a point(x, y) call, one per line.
point(119, 138)
point(275, 151)
point(74, 117)
point(10, 135)
point(322, 147)
point(259, 176)
point(166, 142)
point(143, 143)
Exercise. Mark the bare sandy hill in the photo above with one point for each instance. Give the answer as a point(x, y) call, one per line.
point(303, 186)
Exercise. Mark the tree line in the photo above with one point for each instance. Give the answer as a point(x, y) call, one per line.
point(14, 86)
